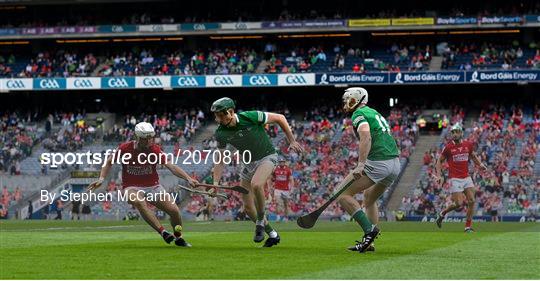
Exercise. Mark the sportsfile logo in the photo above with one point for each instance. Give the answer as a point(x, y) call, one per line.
point(49, 84)
point(117, 83)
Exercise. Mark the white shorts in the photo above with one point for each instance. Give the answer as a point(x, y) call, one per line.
point(248, 170)
point(459, 185)
point(281, 194)
point(384, 172)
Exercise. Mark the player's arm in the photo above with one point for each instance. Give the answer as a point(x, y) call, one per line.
point(284, 125)
point(477, 162)
point(103, 174)
point(179, 172)
point(364, 147)
point(438, 166)
point(291, 181)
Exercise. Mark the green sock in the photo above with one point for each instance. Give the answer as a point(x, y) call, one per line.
point(361, 218)
point(268, 228)
point(260, 217)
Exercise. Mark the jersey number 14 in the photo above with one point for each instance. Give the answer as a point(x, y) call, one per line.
point(382, 123)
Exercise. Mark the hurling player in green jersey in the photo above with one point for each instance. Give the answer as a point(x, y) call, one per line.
point(378, 164)
point(245, 132)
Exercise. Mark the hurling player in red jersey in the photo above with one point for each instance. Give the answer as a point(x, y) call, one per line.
point(140, 177)
point(457, 153)
point(282, 180)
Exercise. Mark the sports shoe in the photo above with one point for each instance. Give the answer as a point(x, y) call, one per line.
point(272, 241)
point(168, 237)
point(469, 230)
point(180, 242)
point(356, 248)
point(439, 220)
point(368, 239)
point(259, 233)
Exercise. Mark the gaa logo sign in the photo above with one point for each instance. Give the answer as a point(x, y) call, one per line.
point(152, 82)
point(15, 84)
point(117, 28)
point(199, 26)
point(188, 82)
point(259, 80)
point(241, 26)
point(49, 84)
point(295, 80)
point(223, 81)
point(117, 83)
point(83, 83)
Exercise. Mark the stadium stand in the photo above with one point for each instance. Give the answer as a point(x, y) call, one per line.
point(505, 139)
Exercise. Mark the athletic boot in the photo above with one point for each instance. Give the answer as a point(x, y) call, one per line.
point(368, 239)
point(180, 242)
point(439, 220)
point(259, 233)
point(272, 241)
point(168, 237)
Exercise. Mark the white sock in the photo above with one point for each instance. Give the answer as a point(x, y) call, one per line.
point(272, 234)
point(261, 222)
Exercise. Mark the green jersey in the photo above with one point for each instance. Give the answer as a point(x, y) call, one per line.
point(383, 145)
point(248, 134)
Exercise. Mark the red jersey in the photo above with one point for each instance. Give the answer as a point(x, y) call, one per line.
point(457, 156)
point(282, 177)
point(134, 173)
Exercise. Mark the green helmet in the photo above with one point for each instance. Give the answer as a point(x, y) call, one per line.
point(222, 104)
point(456, 127)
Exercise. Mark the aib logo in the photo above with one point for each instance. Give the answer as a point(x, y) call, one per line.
point(223, 81)
point(152, 82)
point(117, 83)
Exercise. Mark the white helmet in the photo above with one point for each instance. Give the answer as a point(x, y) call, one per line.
point(144, 130)
point(456, 127)
point(354, 96)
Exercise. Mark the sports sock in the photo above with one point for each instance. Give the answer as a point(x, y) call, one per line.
point(260, 217)
point(270, 231)
point(161, 229)
point(260, 222)
point(468, 223)
point(360, 217)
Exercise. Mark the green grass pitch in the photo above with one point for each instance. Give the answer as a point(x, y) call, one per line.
point(221, 250)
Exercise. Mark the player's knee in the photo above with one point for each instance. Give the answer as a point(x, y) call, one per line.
point(137, 203)
point(257, 185)
point(343, 199)
point(470, 202)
